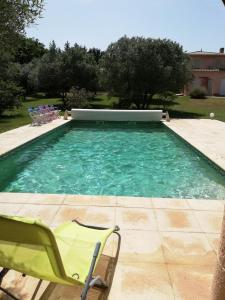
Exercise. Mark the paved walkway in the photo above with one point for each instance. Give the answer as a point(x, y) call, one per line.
point(16, 137)
point(168, 248)
point(208, 136)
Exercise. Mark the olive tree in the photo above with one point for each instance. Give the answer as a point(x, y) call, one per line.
point(15, 15)
point(136, 68)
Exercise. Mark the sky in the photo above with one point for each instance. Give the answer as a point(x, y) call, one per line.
point(195, 24)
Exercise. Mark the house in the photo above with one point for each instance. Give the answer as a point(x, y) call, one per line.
point(208, 69)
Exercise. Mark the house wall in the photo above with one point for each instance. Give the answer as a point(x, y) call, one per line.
point(208, 72)
point(201, 79)
point(208, 62)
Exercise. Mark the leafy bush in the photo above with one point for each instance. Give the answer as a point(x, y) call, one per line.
point(166, 99)
point(198, 93)
point(78, 98)
point(9, 95)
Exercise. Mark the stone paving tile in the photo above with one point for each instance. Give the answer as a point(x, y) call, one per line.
point(87, 200)
point(140, 202)
point(40, 199)
point(140, 246)
point(136, 218)
point(14, 198)
point(10, 209)
point(176, 220)
point(99, 216)
point(170, 203)
point(175, 255)
point(45, 213)
point(214, 240)
point(211, 205)
point(136, 281)
point(191, 281)
point(187, 248)
point(209, 221)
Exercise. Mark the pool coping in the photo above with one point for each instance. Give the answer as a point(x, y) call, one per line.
point(215, 158)
point(9, 140)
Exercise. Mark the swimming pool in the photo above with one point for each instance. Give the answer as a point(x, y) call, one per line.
point(111, 158)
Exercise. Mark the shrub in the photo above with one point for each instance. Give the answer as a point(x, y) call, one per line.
point(166, 99)
point(78, 98)
point(198, 93)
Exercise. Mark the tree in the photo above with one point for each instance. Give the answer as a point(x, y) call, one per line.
point(49, 71)
point(79, 68)
point(77, 98)
point(15, 16)
point(137, 68)
point(97, 53)
point(28, 49)
point(10, 92)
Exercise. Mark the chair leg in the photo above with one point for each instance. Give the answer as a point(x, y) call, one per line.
point(89, 277)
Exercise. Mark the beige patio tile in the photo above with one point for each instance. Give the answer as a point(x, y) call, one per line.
point(136, 281)
point(176, 220)
point(211, 205)
point(191, 281)
point(209, 221)
point(136, 218)
point(187, 248)
point(89, 200)
point(98, 216)
point(170, 203)
point(13, 197)
point(214, 240)
point(134, 202)
point(39, 199)
point(45, 213)
point(10, 209)
point(69, 213)
point(140, 246)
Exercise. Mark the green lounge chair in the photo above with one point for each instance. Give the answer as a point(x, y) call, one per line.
point(67, 255)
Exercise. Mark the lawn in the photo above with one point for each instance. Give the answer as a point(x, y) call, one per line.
point(19, 117)
point(182, 107)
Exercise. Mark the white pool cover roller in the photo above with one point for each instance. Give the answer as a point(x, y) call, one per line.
point(116, 115)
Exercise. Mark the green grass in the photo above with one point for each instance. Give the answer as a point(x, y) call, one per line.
point(182, 107)
point(19, 117)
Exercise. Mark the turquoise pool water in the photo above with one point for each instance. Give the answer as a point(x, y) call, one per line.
point(127, 159)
